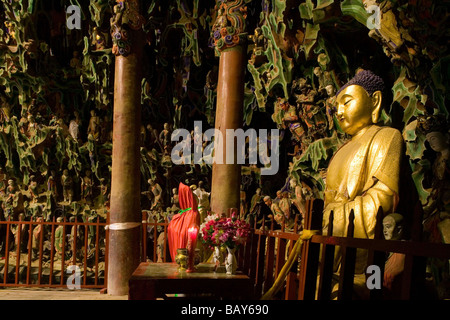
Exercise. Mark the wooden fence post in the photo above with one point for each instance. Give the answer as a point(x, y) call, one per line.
point(326, 265)
point(347, 272)
point(309, 262)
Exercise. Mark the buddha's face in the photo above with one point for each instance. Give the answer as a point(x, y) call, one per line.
point(354, 109)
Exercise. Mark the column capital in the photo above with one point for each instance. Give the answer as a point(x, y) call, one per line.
point(126, 18)
point(228, 30)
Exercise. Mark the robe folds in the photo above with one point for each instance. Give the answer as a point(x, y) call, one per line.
point(362, 176)
point(181, 222)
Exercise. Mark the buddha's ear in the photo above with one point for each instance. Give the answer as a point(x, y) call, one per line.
point(377, 98)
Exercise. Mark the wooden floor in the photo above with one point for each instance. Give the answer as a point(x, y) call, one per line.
point(54, 294)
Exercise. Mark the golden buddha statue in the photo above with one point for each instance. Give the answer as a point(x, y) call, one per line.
point(364, 173)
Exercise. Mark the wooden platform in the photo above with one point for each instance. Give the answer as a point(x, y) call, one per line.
point(151, 281)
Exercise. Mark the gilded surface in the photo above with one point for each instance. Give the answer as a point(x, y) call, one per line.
point(363, 175)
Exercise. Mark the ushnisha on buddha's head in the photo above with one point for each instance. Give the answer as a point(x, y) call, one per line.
point(358, 102)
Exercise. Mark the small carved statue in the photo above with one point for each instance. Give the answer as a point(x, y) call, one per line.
point(298, 197)
point(175, 201)
point(59, 235)
point(87, 186)
point(67, 184)
point(11, 191)
point(104, 192)
point(23, 230)
point(393, 230)
point(32, 188)
point(291, 120)
point(437, 208)
point(160, 247)
point(94, 126)
point(285, 204)
point(435, 129)
point(277, 213)
point(330, 105)
point(75, 62)
point(106, 130)
point(37, 231)
point(165, 136)
point(156, 192)
point(3, 182)
point(203, 200)
point(51, 185)
point(10, 203)
point(32, 130)
point(5, 109)
point(255, 201)
point(438, 139)
point(393, 226)
point(74, 127)
point(321, 78)
point(243, 203)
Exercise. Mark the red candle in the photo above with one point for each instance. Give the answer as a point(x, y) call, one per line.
point(192, 234)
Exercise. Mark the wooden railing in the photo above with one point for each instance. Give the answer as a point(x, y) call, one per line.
point(30, 257)
point(265, 253)
point(37, 263)
point(38, 253)
point(311, 278)
point(152, 231)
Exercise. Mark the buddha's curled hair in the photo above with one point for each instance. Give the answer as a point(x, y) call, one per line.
point(366, 79)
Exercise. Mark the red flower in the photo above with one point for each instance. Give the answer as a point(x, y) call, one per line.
point(230, 232)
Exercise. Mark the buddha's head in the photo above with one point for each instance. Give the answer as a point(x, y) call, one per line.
point(359, 102)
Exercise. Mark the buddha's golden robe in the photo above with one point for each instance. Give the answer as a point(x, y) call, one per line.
point(363, 175)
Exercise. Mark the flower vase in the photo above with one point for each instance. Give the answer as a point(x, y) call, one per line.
point(230, 261)
point(217, 258)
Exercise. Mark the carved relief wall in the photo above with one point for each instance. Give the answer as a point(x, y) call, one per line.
point(56, 93)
